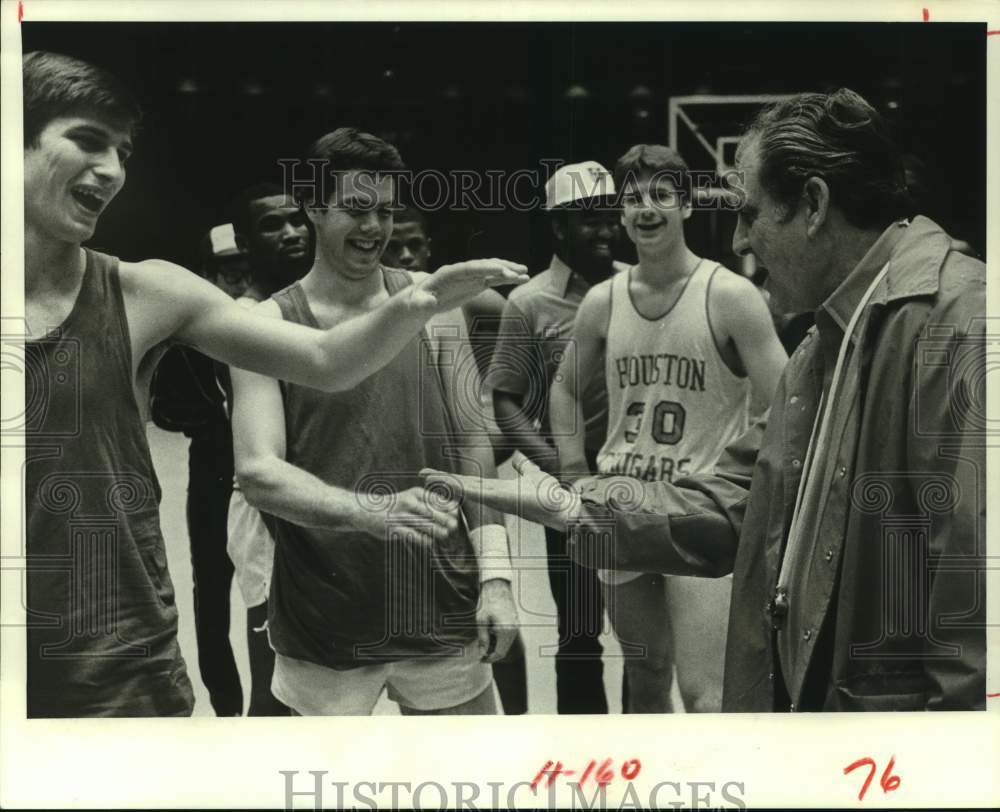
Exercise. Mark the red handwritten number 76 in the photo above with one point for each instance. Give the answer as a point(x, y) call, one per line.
point(888, 781)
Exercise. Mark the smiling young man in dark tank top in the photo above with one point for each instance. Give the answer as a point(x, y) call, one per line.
point(102, 621)
point(363, 599)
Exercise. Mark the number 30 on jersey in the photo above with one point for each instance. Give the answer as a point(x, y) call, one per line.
point(667, 425)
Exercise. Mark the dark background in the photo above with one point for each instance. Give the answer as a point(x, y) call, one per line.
point(224, 101)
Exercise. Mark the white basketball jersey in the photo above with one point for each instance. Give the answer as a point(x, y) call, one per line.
point(673, 404)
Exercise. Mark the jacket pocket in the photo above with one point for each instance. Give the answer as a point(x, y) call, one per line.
point(899, 691)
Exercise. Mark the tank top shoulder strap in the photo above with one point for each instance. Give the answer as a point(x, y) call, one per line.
point(100, 285)
point(711, 268)
point(100, 307)
point(294, 306)
point(395, 279)
point(699, 281)
point(621, 301)
point(694, 299)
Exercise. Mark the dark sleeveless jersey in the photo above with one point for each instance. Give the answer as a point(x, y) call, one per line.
point(102, 622)
point(341, 598)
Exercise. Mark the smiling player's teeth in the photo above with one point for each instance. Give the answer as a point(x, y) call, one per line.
point(88, 199)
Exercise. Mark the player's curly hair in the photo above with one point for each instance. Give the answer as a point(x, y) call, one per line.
point(840, 138)
point(57, 85)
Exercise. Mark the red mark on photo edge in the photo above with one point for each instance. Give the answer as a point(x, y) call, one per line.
point(927, 17)
point(993, 696)
point(20, 11)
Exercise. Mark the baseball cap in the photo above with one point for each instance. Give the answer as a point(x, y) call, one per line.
point(222, 241)
point(574, 182)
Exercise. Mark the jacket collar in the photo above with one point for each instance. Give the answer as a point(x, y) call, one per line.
point(915, 252)
point(561, 275)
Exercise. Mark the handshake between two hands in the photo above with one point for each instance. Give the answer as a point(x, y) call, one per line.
point(534, 495)
point(432, 514)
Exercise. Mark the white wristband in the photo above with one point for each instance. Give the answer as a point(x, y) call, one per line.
point(490, 544)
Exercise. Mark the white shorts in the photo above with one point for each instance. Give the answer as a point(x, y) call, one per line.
point(421, 683)
point(615, 577)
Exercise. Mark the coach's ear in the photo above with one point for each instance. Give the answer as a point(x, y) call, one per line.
point(816, 200)
point(558, 229)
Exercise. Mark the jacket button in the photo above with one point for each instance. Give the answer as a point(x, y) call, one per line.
point(791, 707)
point(771, 676)
point(842, 471)
point(829, 555)
point(796, 463)
point(807, 634)
point(793, 399)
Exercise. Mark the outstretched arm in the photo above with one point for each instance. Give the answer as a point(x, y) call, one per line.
point(691, 527)
point(172, 303)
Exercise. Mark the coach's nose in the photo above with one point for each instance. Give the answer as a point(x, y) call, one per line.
point(741, 238)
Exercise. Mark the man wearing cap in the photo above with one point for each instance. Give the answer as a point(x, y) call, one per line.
point(224, 263)
point(534, 332)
